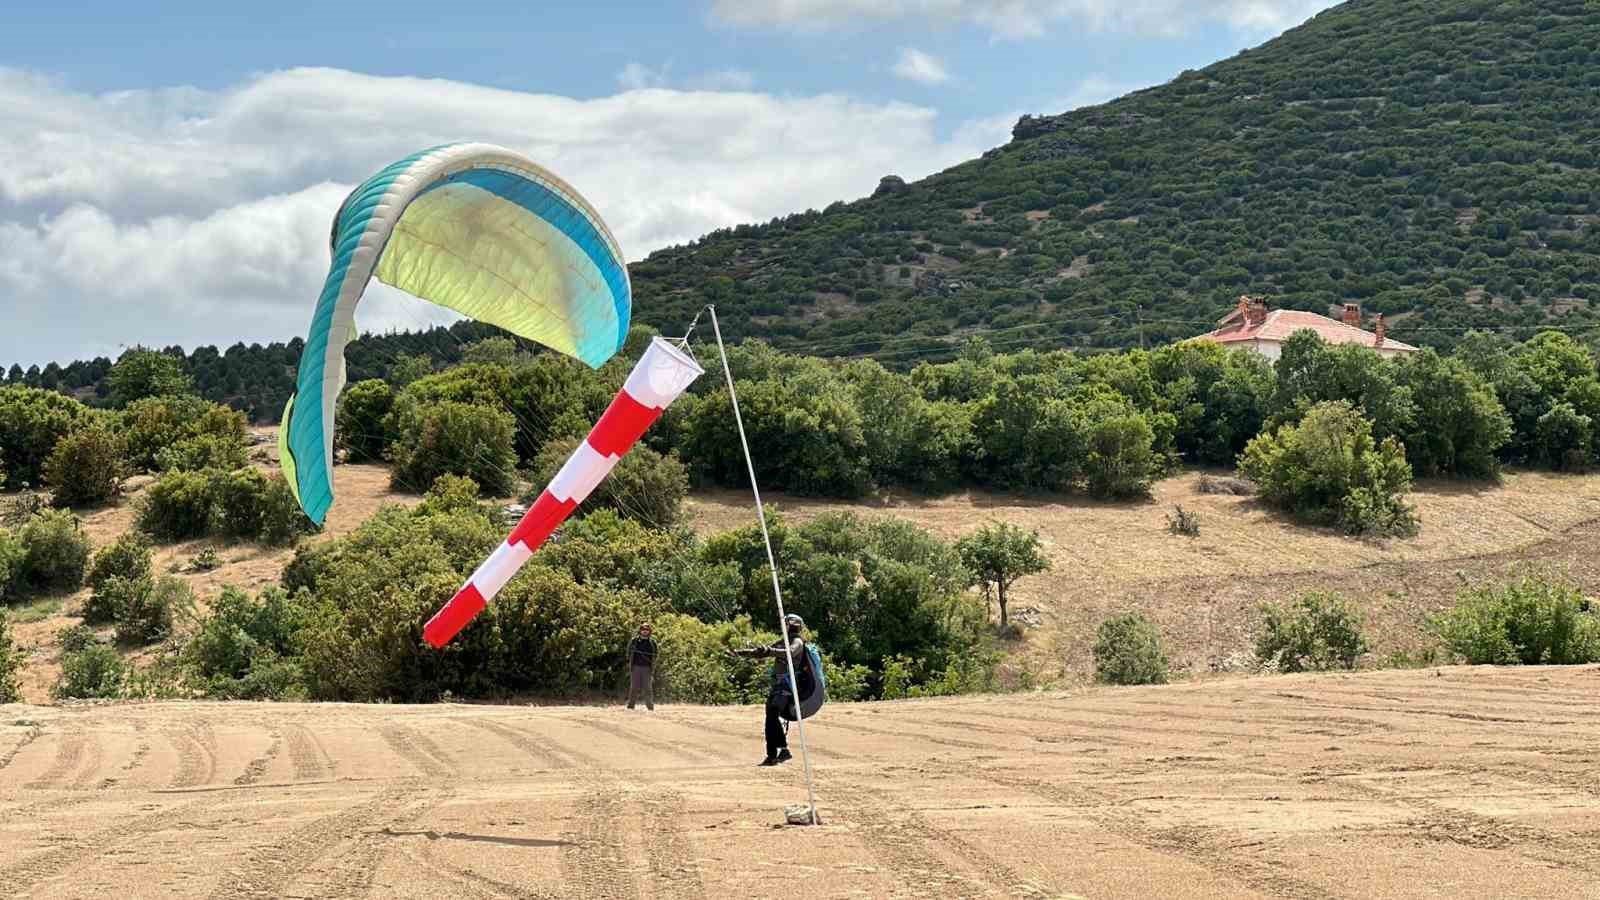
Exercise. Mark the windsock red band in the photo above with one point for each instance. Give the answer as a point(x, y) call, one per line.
point(455, 615)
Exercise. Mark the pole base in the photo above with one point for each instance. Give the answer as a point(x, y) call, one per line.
point(801, 814)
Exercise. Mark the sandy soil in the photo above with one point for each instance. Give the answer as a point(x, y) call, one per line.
point(1450, 783)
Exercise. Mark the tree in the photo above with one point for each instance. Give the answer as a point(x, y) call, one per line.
point(1459, 425)
point(408, 368)
point(643, 485)
point(363, 429)
point(998, 554)
point(451, 438)
point(141, 373)
point(86, 467)
point(32, 422)
point(1328, 470)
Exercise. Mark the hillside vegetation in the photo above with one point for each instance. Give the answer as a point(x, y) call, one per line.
point(1432, 159)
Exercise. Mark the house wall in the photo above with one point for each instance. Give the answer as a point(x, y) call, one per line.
point(1274, 349)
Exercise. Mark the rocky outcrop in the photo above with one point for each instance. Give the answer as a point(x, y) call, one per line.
point(890, 184)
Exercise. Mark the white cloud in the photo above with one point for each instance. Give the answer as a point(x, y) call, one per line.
point(638, 76)
point(724, 80)
point(1023, 18)
point(185, 216)
point(914, 65)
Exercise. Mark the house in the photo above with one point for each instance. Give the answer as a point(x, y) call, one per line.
point(1252, 326)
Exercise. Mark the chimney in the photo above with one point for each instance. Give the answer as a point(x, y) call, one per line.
point(1352, 315)
point(1378, 329)
point(1257, 313)
point(1244, 310)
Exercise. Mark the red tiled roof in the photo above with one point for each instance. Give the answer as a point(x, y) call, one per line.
point(1280, 323)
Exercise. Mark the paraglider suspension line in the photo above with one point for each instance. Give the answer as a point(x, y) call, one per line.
point(772, 562)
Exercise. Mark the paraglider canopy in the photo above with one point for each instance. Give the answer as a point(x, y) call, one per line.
point(476, 228)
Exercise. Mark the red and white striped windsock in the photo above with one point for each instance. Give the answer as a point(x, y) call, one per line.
point(662, 374)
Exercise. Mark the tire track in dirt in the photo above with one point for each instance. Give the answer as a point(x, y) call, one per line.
point(594, 859)
point(28, 737)
point(140, 753)
point(904, 841)
point(268, 868)
point(78, 849)
point(354, 870)
point(1200, 846)
point(537, 748)
point(306, 754)
point(197, 756)
point(469, 883)
point(907, 735)
point(69, 755)
point(690, 755)
point(257, 767)
point(668, 848)
point(413, 747)
point(1446, 824)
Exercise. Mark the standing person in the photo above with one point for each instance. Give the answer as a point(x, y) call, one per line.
point(641, 668)
point(779, 697)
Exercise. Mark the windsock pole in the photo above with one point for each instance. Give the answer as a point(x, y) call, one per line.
point(772, 563)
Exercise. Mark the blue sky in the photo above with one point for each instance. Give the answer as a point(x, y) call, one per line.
point(180, 161)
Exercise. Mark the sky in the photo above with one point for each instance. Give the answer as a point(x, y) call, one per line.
point(169, 170)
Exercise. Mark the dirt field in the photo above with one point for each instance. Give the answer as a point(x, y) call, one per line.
point(1452, 783)
point(1204, 593)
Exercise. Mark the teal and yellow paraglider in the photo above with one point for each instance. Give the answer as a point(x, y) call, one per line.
point(472, 227)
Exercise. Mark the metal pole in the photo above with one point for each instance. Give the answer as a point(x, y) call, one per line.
point(772, 563)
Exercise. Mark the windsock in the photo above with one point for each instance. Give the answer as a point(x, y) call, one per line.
point(660, 377)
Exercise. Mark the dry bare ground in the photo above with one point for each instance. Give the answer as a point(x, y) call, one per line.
point(1109, 558)
point(1449, 783)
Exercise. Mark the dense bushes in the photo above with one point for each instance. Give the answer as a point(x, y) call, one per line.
point(93, 671)
point(1328, 470)
point(1538, 619)
point(10, 662)
point(32, 422)
point(86, 467)
point(242, 504)
point(246, 648)
point(1318, 631)
point(453, 438)
point(363, 421)
point(56, 553)
point(1128, 650)
point(164, 433)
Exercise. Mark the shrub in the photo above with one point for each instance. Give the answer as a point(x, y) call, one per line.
point(363, 427)
point(94, 671)
point(178, 506)
point(207, 560)
point(1317, 632)
point(1328, 470)
point(245, 648)
point(32, 422)
point(141, 373)
point(188, 429)
point(1538, 619)
point(694, 665)
point(1120, 461)
point(57, 552)
point(86, 467)
point(10, 662)
point(129, 556)
point(204, 451)
point(282, 520)
point(76, 638)
point(453, 438)
point(240, 497)
point(644, 485)
point(13, 559)
point(1181, 521)
point(1127, 650)
point(146, 609)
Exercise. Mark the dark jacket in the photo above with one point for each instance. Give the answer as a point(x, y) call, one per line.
point(642, 651)
point(796, 648)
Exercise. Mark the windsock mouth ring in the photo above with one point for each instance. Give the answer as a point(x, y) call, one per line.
point(679, 354)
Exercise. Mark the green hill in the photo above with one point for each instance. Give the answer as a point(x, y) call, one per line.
point(1434, 160)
